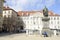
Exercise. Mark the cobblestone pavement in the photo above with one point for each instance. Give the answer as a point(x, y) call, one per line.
point(27, 37)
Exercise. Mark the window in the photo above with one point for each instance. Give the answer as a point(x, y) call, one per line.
point(5, 12)
point(31, 17)
point(57, 18)
point(58, 22)
point(38, 27)
point(51, 22)
point(8, 15)
point(34, 22)
point(28, 18)
point(54, 18)
point(9, 11)
point(58, 26)
point(55, 27)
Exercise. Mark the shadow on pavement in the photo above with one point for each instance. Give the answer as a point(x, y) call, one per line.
point(7, 34)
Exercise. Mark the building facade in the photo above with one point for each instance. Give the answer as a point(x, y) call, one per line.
point(10, 19)
point(33, 21)
point(55, 24)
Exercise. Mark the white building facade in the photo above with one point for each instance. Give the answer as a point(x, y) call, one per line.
point(34, 23)
point(55, 24)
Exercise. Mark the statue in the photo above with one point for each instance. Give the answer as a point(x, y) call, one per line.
point(45, 12)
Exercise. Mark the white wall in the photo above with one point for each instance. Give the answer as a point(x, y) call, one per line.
point(55, 22)
point(33, 22)
point(7, 13)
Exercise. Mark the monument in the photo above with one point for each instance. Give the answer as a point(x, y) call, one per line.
point(46, 30)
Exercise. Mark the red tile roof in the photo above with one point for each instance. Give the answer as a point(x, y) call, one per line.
point(26, 13)
point(32, 12)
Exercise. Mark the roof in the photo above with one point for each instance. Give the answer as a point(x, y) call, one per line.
point(53, 14)
point(26, 13)
point(8, 8)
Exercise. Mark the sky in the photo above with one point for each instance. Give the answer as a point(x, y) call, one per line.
point(37, 5)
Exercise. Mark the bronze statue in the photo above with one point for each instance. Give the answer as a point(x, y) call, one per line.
point(45, 12)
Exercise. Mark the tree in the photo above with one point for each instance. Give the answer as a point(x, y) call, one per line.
point(4, 1)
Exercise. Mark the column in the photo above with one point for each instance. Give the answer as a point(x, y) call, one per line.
point(30, 32)
point(54, 32)
point(40, 32)
point(27, 32)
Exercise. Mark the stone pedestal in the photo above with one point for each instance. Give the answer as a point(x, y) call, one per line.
point(46, 29)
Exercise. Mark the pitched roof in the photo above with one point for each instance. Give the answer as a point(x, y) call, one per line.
point(8, 8)
point(26, 13)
